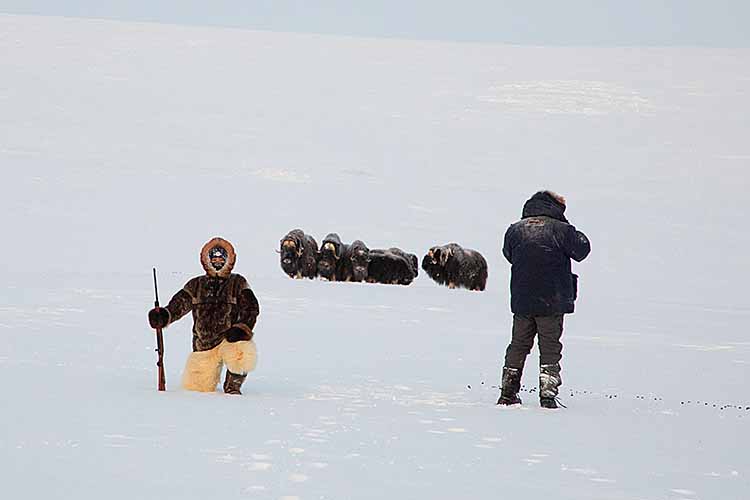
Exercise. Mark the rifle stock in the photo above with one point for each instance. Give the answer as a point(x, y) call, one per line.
point(159, 344)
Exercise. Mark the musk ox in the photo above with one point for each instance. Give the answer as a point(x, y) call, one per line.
point(298, 254)
point(455, 266)
point(392, 266)
point(330, 264)
point(354, 262)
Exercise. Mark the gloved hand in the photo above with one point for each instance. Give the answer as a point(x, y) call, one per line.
point(158, 317)
point(235, 334)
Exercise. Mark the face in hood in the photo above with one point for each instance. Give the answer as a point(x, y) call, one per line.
point(545, 203)
point(218, 257)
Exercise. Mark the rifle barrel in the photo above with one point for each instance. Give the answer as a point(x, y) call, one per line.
point(159, 343)
point(156, 290)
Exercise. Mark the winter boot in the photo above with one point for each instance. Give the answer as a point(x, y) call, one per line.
point(549, 403)
point(233, 382)
point(549, 381)
point(511, 384)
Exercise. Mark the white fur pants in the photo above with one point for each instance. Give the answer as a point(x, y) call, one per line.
point(203, 369)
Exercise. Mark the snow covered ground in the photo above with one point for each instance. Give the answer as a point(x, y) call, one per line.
point(125, 146)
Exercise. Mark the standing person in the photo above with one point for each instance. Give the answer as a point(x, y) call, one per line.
point(224, 313)
point(543, 289)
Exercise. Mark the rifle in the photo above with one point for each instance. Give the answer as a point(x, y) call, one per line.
point(159, 344)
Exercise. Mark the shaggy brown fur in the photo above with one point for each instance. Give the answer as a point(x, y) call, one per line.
point(456, 267)
point(298, 253)
point(203, 369)
point(330, 264)
point(354, 262)
point(391, 267)
point(218, 301)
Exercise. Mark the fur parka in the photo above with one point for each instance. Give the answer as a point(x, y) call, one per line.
point(218, 301)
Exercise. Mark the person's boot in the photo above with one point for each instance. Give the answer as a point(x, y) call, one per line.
point(233, 382)
point(548, 403)
point(549, 381)
point(511, 384)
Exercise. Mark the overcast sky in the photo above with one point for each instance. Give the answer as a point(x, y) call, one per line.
point(711, 23)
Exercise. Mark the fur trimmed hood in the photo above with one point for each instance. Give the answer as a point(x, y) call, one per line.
point(545, 203)
point(206, 260)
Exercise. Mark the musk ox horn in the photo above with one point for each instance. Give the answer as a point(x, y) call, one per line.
point(330, 246)
point(435, 254)
point(292, 245)
point(445, 255)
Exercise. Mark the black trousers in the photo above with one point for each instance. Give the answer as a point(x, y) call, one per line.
point(525, 328)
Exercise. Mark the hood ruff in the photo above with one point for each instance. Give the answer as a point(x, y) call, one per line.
point(206, 260)
point(545, 203)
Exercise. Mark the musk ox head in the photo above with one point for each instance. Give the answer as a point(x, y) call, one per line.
point(433, 263)
point(359, 255)
point(456, 267)
point(329, 256)
point(290, 253)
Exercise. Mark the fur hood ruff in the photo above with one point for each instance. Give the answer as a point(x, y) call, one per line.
point(228, 265)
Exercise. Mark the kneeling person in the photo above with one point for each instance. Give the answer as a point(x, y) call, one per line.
point(224, 313)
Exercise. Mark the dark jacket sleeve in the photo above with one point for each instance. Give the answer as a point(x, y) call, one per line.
point(508, 245)
point(248, 309)
point(577, 245)
point(180, 305)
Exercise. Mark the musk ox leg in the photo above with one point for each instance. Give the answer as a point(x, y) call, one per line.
point(202, 371)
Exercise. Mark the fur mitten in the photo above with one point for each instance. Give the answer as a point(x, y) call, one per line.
point(158, 317)
point(238, 332)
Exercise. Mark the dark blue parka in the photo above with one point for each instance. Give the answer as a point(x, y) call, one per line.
point(539, 248)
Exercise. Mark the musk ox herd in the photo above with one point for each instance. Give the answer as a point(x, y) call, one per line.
point(450, 265)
